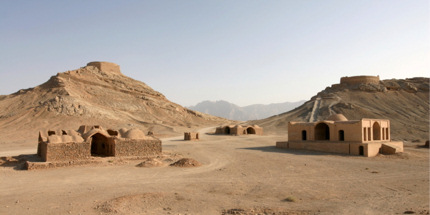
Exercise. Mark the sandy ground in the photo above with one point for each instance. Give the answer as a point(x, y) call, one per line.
point(239, 175)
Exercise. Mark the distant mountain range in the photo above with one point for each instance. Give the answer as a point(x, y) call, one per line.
point(251, 112)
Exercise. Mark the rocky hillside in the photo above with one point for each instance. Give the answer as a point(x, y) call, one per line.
point(404, 102)
point(95, 94)
point(251, 112)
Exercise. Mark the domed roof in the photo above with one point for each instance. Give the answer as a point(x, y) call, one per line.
point(134, 134)
point(337, 117)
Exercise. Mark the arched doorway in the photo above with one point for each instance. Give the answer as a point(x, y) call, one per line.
point(304, 136)
point(341, 135)
point(250, 130)
point(322, 131)
point(376, 131)
point(227, 130)
point(361, 150)
point(99, 145)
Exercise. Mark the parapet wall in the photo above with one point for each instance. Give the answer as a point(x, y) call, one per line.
point(360, 80)
point(106, 67)
point(130, 147)
point(64, 151)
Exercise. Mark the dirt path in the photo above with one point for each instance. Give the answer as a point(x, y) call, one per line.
point(315, 110)
point(244, 173)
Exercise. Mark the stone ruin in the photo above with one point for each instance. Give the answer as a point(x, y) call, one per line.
point(337, 134)
point(191, 136)
point(363, 79)
point(89, 141)
point(239, 130)
point(106, 67)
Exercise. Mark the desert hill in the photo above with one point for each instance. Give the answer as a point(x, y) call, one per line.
point(405, 102)
point(95, 94)
point(250, 112)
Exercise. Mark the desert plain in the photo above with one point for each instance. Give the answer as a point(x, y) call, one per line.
point(228, 174)
point(238, 175)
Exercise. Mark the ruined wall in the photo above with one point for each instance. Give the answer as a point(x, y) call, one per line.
point(239, 130)
point(359, 80)
point(228, 129)
point(41, 149)
point(191, 136)
point(65, 151)
point(220, 130)
point(391, 147)
point(106, 67)
point(132, 147)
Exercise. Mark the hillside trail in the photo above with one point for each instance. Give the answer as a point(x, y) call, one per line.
point(315, 110)
point(317, 106)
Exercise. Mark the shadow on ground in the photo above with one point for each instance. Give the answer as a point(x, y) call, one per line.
point(18, 162)
point(290, 151)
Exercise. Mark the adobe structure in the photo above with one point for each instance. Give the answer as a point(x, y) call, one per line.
point(359, 80)
point(91, 141)
point(191, 136)
point(239, 130)
point(337, 134)
point(106, 66)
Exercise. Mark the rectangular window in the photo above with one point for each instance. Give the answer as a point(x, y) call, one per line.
point(364, 134)
point(369, 134)
point(387, 134)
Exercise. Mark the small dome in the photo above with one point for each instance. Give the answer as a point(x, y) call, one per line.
point(122, 131)
point(66, 139)
point(72, 133)
point(54, 139)
point(134, 134)
point(337, 117)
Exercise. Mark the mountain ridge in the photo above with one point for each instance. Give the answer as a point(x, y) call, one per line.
point(95, 94)
point(403, 101)
point(232, 111)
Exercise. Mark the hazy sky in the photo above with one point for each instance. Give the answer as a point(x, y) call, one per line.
point(245, 52)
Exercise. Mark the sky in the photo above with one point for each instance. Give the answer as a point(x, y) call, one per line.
point(245, 52)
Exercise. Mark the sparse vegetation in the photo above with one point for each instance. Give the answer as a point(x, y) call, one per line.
point(289, 199)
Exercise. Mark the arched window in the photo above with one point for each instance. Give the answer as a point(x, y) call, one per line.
point(341, 135)
point(376, 131)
